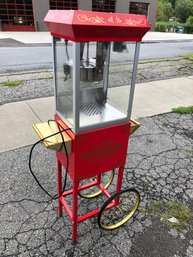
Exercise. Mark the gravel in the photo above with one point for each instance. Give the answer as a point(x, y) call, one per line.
point(37, 84)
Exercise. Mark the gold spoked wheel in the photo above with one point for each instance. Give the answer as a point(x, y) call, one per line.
point(118, 209)
point(106, 180)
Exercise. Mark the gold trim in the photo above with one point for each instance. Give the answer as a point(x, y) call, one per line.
point(118, 20)
point(94, 20)
point(133, 23)
point(54, 142)
point(134, 126)
point(99, 20)
point(110, 19)
point(124, 220)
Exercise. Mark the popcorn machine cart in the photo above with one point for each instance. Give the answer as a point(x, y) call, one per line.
point(95, 63)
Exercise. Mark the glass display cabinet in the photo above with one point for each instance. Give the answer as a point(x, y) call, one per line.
point(95, 63)
point(91, 60)
point(84, 74)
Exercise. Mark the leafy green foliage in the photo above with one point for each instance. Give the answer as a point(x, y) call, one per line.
point(190, 20)
point(173, 2)
point(181, 9)
point(183, 110)
point(165, 10)
point(173, 26)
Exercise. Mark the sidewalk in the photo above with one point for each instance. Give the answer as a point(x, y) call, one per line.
point(150, 99)
point(45, 38)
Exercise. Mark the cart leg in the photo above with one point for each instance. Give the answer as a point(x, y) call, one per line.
point(74, 211)
point(98, 179)
point(119, 182)
point(59, 187)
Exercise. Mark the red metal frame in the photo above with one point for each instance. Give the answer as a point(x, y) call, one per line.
point(96, 151)
point(73, 213)
point(93, 153)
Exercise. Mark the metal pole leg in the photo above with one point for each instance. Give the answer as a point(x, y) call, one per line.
point(74, 210)
point(119, 183)
point(59, 187)
point(120, 179)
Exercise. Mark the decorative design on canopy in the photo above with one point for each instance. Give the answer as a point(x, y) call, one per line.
point(83, 26)
point(114, 20)
point(94, 19)
point(131, 22)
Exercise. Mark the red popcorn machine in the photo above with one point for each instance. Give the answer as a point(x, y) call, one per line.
point(95, 65)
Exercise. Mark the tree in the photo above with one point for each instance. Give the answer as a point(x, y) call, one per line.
point(168, 10)
point(190, 20)
point(183, 9)
point(165, 10)
point(173, 2)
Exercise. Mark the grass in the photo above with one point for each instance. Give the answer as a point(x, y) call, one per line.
point(171, 209)
point(44, 78)
point(185, 56)
point(162, 60)
point(183, 110)
point(178, 210)
point(11, 83)
point(185, 72)
point(31, 72)
point(188, 56)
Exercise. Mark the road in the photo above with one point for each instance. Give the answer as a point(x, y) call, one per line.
point(29, 58)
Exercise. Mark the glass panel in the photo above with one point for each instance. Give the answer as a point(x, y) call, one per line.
point(120, 75)
point(105, 80)
point(63, 79)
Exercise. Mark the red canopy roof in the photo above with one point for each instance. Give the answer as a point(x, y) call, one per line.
point(77, 25)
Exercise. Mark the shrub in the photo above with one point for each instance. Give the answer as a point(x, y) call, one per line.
point(188, 29)
point(170, 26)
point(190, 20)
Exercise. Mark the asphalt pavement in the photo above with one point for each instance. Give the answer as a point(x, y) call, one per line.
point(159, 165)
